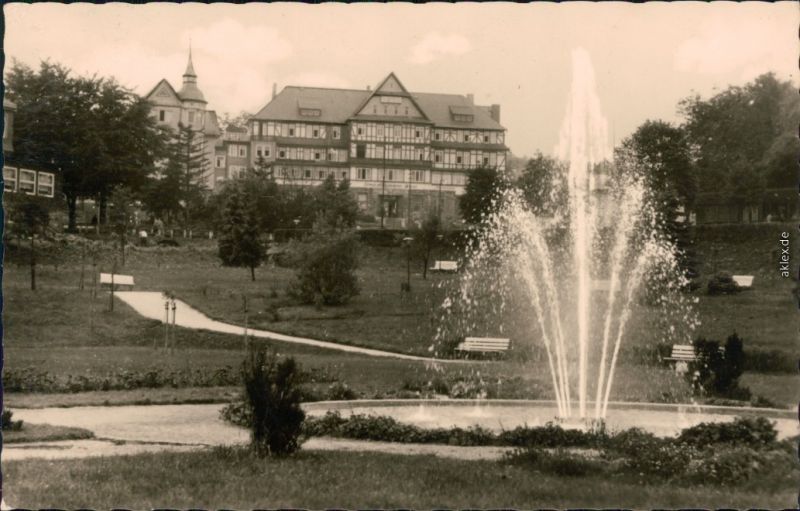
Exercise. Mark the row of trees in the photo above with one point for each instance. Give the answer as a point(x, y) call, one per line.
point(99, 136)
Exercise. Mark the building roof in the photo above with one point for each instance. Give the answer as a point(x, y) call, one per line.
point(337, 105)
point(439, 109)
point(340, 105)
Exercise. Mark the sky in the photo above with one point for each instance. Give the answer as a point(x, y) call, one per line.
point(646, 57)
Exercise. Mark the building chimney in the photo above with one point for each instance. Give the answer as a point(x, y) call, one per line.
point(471, 98)
point(274, 90)
point(494, 113)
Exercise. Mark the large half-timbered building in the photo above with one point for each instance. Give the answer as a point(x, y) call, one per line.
point(406, 154)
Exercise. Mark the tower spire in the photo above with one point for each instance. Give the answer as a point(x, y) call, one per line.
point(189, 67)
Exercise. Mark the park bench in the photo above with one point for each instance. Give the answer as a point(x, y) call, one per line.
point(450, 266)
point(484, 345)
point(119, 280)
point(682, 355)
point(743, 281)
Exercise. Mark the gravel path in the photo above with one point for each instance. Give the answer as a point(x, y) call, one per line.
point(151, 305)
point(122, 430)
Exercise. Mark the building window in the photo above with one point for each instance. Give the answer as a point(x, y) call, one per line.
point(362, 174)
point(458, 159)
point(281, 154)
point(242, 151)
point(418, 176)
point(258, 152)
point(317, 155)
point(438, 158)
point(316, 134)
point(360, 131)
point(161, 115)
point(486, 160)
point(220, 162)
point(10, 179)
point(361, 151)
point(307, 173)
point(291, 132)
point(336, 133)
point(437, 136)
point(27, 181)
point(486, 138)
point(321, 174)
point(344, 174)
point(266, 153)
point(417, 134)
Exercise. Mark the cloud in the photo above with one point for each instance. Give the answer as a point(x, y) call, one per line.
point(742, 47)
point(435, 46)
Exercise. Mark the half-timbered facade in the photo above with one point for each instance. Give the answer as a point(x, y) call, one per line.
point(406, 154)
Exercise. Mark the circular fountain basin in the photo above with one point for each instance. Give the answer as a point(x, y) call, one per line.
point(500, 414)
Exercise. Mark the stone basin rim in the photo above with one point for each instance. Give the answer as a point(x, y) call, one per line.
point(776, 413)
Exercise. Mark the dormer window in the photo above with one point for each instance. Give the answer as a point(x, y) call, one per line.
point(462, 114)
point(309, 108)
point(310, 112)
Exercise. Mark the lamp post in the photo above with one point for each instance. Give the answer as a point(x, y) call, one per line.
point(407, 241)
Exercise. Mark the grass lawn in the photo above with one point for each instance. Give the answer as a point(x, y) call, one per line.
point(44, 433)
point(232, 479)
point(54, 329)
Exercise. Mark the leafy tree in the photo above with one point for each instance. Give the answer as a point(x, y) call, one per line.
point(543, 184)
point(744, 138)
point(659, 155)
point(272, 395)
point(30, 217)
point(162, 193)
point(326, 264)
point(482, 195)
point(336, 209)
point(95, 133)
point(426, 238)
point(239, 242)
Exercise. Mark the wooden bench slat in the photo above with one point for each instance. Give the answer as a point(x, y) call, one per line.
point(119, 280)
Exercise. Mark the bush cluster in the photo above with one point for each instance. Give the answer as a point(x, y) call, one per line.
point(723, 284)
point(755, 432)
point(8, 423)
point(716, 372)
point(709, 453)
point(326, 264)
point(32, 380)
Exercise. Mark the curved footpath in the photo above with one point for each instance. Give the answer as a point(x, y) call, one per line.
point(122, 430)
point(150, 304)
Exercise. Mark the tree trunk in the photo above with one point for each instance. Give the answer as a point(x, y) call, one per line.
point(33, 264)
point(71, 212)
point(253, 273)
point(122, 240)
point(102, 206)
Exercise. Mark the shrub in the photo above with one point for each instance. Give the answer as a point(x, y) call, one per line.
point(723, 284)
point(273, 397)
point(560, 462)
point(326, 270)
point(755, 432)
point(8, 424)
point(340, 392)
point(716, 371)
point(725, 465)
